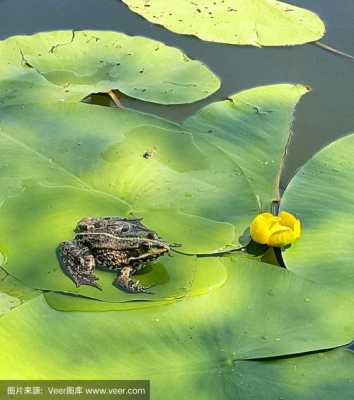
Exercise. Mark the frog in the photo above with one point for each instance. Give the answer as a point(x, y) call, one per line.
point(121, 244)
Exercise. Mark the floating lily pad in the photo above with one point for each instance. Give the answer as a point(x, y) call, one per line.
point(307, 377)
point(74, 160)
point(67, 167)
point(14, 288)
point(260, 311)
point(69, 302)
point(102, 150)
point(207, 275)
point(253, 128)
point(254, 22)
point(12, 292)
point(31, 253)
point(62, 162)
point(322, 195)
point(70, 65)
point(7, 303)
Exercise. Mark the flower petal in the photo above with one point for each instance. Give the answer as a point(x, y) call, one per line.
point(276, 226)
point(259, 228)
point(297, 229)
point(282, 238)
point(287, 219)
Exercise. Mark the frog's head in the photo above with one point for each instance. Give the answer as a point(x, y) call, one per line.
point(122, 228)
point(129, 227)
point(85, 225)
point(138, 234)
point(134, 228)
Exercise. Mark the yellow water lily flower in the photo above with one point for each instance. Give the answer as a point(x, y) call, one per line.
point(275, 230)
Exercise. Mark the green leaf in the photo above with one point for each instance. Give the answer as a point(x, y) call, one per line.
point(70, 302)
point(252, 128)
point(7, 303)
point(111, 159)
point(73, 166)
point(68, 166)
point(260, 311)
point(322, 195)
point(70, 65)
point(208, 275)
point(62, 162)
point(254, 22)
point(307, 377)
point(66, 146)
point(31, 254)
point(12, 292)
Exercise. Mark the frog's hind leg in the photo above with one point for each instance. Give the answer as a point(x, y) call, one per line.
point(125, 282)
point(78, 263)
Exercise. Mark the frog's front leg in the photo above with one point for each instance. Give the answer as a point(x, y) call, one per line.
point(125, 282)
point(78, 263)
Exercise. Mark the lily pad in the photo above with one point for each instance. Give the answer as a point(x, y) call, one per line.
point(13, 293)
point(261, 311)
point(14, 288)
point(69, 302)
point(208, 275)
point(7, 303)
point(254, 22)
point(253, 128)
point(31, 254)
point(322, 195)
point(102, 150)
point(70, 65)
point(68, 166)
point(63, 161)
point(321, 375)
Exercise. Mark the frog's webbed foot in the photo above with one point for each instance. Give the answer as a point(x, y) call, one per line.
point(78, 263)
point(126, 283)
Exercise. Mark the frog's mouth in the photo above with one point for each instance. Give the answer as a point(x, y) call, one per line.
point(148, 255)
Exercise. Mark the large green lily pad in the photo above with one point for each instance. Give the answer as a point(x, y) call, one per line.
point(31, 253)
point(207, 275)
point(78, 160)
point(13, 293)
point(254, 22)
point(70, 65)
point(63, 161)
point(260, 311)
point(322, 375)
point(70, 302)
point(102, 151)
point(7, 303)
point(322, 195)
point(253, 128)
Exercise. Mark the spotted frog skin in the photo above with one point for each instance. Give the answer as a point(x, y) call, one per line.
point(118, 244)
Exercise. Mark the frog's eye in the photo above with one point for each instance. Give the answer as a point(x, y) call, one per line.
point(125, 228)
point(84, 227)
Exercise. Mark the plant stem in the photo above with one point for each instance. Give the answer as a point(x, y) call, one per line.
point(333, 50)
point(115, 99)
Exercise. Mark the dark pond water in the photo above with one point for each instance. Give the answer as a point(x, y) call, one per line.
point(322, 116)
